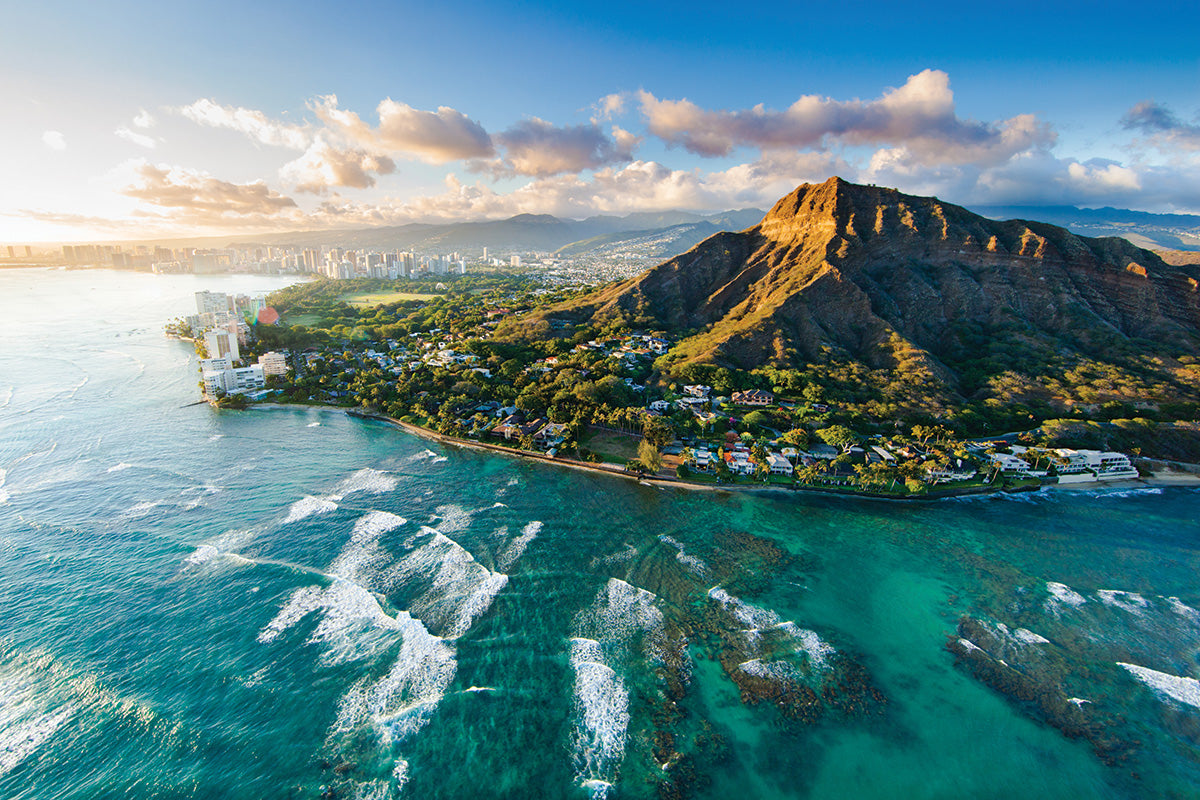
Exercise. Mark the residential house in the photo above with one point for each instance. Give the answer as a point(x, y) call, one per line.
point(753, 397)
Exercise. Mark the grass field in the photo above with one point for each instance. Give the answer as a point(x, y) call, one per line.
point(367, 299)
point(308, 320)
point(615, 448)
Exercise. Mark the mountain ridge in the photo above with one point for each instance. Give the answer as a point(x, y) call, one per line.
point(895, 281)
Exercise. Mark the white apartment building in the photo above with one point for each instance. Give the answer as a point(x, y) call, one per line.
point(1105, 466)
point(213, 303)
point(233, 381)
point(222, 344)
point(273, 363)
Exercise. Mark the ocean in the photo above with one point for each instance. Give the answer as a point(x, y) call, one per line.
point(292, 603)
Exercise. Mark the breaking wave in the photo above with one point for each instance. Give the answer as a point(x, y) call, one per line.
point(368, 480)
point(602, 705)
point(307, 506)
point(516, 548)
point(694, 565)
point(761, 621)
point(1181, 689)
point(451, 588)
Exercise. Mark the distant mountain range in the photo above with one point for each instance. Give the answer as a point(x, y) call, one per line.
point(669, 233)
point(524, 233)
point(1153, 231)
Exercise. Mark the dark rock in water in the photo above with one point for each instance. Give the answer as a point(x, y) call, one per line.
point(1033, 680)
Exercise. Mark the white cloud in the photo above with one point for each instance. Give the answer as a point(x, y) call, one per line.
point(920, 115)
point(1164, 129)
point(192, 198)
point(539, 148)
point(433, 136)
point(143, 119)
point(140, 139)
point(54, 140)
point(324, 166)
point(254, 124)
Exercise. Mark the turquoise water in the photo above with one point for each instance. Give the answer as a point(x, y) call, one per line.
point(293, 603)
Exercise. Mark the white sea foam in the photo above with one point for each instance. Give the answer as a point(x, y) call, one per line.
point(602, 705)
point(221, 545)
point(970, 646)
point(119, 467)
point(27, 719)
point(203, 553)
point(513, 482)
point(301, 603)
point(438, 459)
point(1026, 636)
point(1182, 609)
point(770, 670)
point(421, 456)
point(762, 620)
point(307, 506)
point(1129, 492)
point(141, 509)
point(452, 518)
point(1182, 689)
point(1062, 595)
point(353, 624)
point(694, 565)
point(621, 612)
point(455, 589)
point(1126, 601)
point(216, 436)
point(368, 480)
point(818, 650)
point(1078, 701)
point(32, 707)
point(313, 425)
point(3, 492)
point(516, 548)
point(400, 703)
point(363, 548)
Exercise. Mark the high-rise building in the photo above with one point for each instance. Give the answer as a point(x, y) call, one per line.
point(273, 363)
point(221, 343)
point(515, 261)
point(214, 303)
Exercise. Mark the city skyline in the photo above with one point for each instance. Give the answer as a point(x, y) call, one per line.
point(139, 122)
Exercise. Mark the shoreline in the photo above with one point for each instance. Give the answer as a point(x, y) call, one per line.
point(1157, 479)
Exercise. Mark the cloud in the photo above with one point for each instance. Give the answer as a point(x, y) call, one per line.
point(1166, 131)
point(436, 137)
point(54, 140)
point(324, 166)
point(140, 139)
point(638, 186)
point(538, 148)
point(195, 198)
point(611, 105)
point(920, 115)
point(254, 124)
point(143, 119)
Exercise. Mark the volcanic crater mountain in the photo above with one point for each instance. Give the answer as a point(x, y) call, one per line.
point(886, 279)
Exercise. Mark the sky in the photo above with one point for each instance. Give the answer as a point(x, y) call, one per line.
point(135, 120)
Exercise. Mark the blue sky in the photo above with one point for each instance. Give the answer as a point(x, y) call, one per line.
point(133, 119)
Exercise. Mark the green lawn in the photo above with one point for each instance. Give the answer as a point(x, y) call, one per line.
point(307, 320)
point(368, 299)
point(614, 448)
